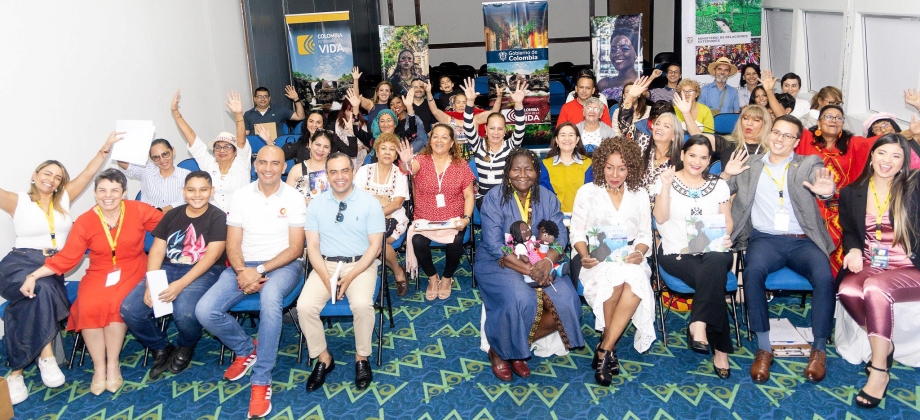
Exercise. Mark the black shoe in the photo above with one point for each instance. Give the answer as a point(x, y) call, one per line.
point(889, 362)
point(161, 361)
point(363, 374)
point(181, 358)
point(720, 372)
point(608, 367)
point(597, 359)
point(318, 377)
point(870, 401)
point(697, 346)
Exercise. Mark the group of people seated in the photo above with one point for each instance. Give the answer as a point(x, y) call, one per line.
point(821, 201)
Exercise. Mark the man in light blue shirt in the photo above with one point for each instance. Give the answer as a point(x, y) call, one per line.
point(344, 231)
point(718, 95)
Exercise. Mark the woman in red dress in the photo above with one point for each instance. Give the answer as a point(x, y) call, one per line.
point(113, 232)
point(845, 155)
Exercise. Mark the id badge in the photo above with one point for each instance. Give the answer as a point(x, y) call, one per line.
point(439, 200)
point(112, 278)
point(880, 256)
point(781, 220)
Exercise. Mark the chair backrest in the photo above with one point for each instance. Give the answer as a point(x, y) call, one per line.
point(725, 123)
point(642, 126)
point(189, 164)
point(482, 85)
point(255, 142)
point(556, 97)
point(715, 168)
point(612, 110)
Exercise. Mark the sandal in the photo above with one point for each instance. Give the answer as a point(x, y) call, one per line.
point(870, 401)
point(444, 289)
point(432, 293)
point(402, 287)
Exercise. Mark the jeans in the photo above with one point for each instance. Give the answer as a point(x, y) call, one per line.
point(212, 313)
point(139, 317)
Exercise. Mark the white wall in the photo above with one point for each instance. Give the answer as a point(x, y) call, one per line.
point(72, 68)
point(664, 25)
point(462, 21)
point(852, 77)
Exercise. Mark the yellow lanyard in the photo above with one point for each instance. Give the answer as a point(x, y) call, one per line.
point(108, 233)
point(523, 208)
point(881, 210)
point(50, 218)
point(781, 184)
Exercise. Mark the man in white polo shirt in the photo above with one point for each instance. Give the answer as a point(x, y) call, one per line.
point(344, 225)
point(264, 241)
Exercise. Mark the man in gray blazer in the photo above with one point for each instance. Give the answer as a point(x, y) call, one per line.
point(776, 216)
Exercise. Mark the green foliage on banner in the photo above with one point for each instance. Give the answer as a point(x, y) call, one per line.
point(412, 38)
point(739, 15)
point(541, 71)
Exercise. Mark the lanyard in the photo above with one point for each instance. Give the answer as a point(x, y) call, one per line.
point(523, 208)
point(881, 210)
point(439, 177)
point(50, 218)
point(780, 184)
point(108, 233)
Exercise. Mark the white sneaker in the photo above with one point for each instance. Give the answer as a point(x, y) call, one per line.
point(51, 373)
point(18, 390)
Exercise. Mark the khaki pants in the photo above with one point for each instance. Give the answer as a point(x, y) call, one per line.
point(360, 294)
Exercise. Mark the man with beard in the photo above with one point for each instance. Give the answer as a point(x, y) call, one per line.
point(718, 95)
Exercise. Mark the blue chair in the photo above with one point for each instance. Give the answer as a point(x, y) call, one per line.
point(556, 98)
point(716, 168)
point(255, 143)
point(469, 246)
point(189, 164)
point(290, 138)
point(250, 307)
point(482, 84)
point(642, 126)
point(477, 218)
point(148, 237)
point(724, 124)
point(783, 279)
point(612, 110)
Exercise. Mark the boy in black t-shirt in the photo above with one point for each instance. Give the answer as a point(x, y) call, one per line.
point(189, 247)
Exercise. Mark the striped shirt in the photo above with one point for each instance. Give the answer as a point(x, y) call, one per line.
point(158, 191)
point(491, 165)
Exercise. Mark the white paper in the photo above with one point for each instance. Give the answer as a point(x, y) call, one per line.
point(157, 283)
point(135, 146)
point(782, 333)
point(806, 333)
point(112, 278)
point(334, 280)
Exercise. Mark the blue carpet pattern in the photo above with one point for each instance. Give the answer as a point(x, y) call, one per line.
point(433, 369)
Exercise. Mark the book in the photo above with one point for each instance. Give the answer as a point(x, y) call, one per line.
point(608, 243)
point(706, 233)
point(318, 183)
point(422, 225)
point(271, 127)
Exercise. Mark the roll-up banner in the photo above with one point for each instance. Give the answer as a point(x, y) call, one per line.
point(319, 45)
point(617, 52)
point(517, 48)
point(404, 55)
point(720, 28)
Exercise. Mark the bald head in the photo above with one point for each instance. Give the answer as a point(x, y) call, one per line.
point(269, 166)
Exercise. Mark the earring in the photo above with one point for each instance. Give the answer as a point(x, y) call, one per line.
point(818, 132)
point(33, 182)
point(840, 134)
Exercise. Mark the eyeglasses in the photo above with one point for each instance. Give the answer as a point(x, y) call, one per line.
point(833, 118)
point(673, 71)
point(592, 108)
point(262, 96)
point(782, 135)
point(222, 147)
point(339, 217)
point(688, 92)
point(164, 155)
point(880, 125)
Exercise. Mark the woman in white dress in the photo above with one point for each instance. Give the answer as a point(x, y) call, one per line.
point(231, 162)
point(615, 275)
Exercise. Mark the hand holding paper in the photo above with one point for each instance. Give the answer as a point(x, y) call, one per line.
point(157, 283)
point(135, 146)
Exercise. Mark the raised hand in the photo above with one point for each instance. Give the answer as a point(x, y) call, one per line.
point(355, 75)
point(635, 90)
point(912, 97)
point(767, 80)
point(262, 132)
point(407, 101)
point(233, 102)
point(405, 151)
point(853, 261)
point(174, 107)
point(498, 90)
point(683, 105)
point(824, 183)
point(428, 88)
point(914, 125)
point(656, 73)
point(520, 92)
point(469, 90)
point(291, 93)
point(354, 99)
point(736, 164)
point(667, 178)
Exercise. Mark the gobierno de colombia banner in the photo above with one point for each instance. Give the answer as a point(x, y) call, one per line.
point(320, 50)
point(720, 28)
point(517, 48)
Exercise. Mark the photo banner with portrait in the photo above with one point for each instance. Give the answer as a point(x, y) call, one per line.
point(720, 28)
point(617, 50)
point(404, 55)
point(319, 46)
point(517, 49)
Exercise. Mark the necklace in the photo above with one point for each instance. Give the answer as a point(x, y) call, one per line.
point(615, 190)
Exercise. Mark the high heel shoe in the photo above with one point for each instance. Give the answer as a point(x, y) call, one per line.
point(608, 367)
point(596, 360)
point(97, 388)
point(870, 401)
point(888, 362)
point(720, 372)
point(697, 346)
point(114, 385)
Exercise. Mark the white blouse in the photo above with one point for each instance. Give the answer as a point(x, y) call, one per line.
point(31, 224)
point(224, 184)
point(709, 197)
point(593, 208)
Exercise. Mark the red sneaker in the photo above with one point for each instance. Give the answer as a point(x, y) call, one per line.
point(241, 365)
point(260, 404)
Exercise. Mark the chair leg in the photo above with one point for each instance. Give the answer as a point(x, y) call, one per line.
point(802, 305)
point(73, 353)
point(735, 318)
point(300, 332)
point(82, 351)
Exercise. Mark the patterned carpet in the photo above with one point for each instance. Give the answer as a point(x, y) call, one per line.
point(433, 369)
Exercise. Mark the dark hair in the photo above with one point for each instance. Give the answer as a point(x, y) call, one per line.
point(640, 103)
point(549, 226)
point(903, 184)
point(261, 89)
point(694, 140)
point(843, 142)
point(336, 155)
point(515, 230)
point(164, 142)
point(554, 147)
point(586, 75)
point(113, 175)
point(358, 117)
point(629, 34)
point(792, 120)
point(788, 76)
point(198, 174)
point(658, 108)
point(753, 100)
point(305, 136)
point(785, 100)
point(894, 126)
point(756, 68)
point(405, 50)
point(506, 174)
point(631, 155)
point(321, 132)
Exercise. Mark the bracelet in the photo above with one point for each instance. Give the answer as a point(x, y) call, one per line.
point(550, 260)
point(239, 120)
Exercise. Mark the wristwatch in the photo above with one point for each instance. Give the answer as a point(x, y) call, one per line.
point(468, 218)
point(260, 269)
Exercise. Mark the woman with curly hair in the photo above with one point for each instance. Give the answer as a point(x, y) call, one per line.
point(611, 235)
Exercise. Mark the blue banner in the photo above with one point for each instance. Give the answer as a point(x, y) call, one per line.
point(320, 50)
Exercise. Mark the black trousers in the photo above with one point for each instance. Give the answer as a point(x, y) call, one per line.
point(453, 252)
point(707, 274)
